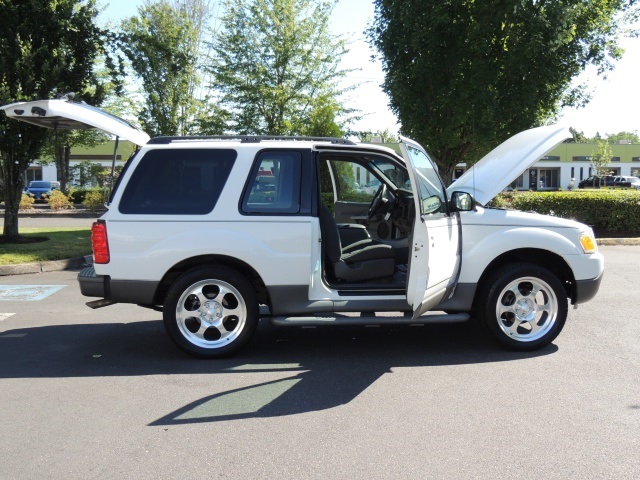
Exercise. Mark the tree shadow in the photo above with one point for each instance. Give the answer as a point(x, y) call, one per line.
point(324, 367)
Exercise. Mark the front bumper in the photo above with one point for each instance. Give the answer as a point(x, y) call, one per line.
point(585, 290)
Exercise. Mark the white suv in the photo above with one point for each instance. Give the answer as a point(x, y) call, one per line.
point(220, 231)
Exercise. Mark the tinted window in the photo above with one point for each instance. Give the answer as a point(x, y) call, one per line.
point(274, 184)
point(177, 182)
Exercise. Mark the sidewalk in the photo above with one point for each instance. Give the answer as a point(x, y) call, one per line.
point(50, 266)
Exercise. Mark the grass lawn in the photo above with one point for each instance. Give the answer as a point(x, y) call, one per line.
point(61, 243)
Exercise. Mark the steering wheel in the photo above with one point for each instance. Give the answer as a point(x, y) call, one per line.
point(378, 198)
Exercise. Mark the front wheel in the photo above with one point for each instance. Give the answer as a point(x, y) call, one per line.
point(526, 306)
point(211, 312)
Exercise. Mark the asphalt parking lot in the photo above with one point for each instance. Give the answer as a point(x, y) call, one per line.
point(105, 394)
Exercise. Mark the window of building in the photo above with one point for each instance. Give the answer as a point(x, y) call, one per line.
point(33, 174)
point(274, 185)
point(548, 178)
point(518, 183)
point(635, 172)
point(177, 181)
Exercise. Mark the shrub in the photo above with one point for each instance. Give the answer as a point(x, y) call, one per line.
point(604, 210)
point(77, 194)
point(94, 198)
point(59, 201)
point(26, 201)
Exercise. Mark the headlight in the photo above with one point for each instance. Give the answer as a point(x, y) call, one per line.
point(588, 242)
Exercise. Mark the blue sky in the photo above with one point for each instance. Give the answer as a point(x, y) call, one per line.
point(615, 104)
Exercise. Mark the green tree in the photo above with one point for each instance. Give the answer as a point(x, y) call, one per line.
point(463, 76)
point(385, 136)
point(46, 46)
point(162, 43)
point(601, 159)
point(58, 150)
point(275, 68)
point(631, 137)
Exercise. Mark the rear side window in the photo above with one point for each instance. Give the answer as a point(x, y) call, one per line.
point(177, 182)
point(274, 184)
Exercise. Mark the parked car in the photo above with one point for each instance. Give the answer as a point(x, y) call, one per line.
point(626, 182)
point(594, 181)
point(188, 232)
point(40, 189)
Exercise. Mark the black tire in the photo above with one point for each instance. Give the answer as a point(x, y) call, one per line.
point(211, 311)
point(526, 306)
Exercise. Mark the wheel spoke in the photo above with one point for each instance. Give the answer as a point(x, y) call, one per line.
point(514, 326)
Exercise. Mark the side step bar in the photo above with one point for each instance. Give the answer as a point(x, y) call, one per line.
point(347, 320)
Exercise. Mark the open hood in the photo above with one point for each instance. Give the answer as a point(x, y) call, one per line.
point(68, 115)
point(496, 170)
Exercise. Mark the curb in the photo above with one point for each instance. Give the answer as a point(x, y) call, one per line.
point(630, 242)
point(51, 266)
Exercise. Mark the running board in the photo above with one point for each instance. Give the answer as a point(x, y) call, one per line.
point(346, 320)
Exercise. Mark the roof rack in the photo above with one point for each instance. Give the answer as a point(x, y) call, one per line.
point(251, 139)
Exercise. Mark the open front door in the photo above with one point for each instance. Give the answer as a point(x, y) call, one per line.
point(435, 245)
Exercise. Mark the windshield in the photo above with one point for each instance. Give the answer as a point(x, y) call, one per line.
point(40, 185)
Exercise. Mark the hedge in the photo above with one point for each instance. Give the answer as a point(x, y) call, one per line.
point(604, 210)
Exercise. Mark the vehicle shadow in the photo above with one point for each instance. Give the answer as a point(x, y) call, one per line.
point(322, 367)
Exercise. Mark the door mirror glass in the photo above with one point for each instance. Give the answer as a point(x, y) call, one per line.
point(462, 202)
point(431, 204)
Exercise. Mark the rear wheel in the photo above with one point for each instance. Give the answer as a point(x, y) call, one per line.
point(211, 312)
point(526, 306)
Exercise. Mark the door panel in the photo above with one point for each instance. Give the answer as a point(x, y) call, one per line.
point(436, 239)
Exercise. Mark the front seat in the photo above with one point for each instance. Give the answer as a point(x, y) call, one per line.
point(360, 263)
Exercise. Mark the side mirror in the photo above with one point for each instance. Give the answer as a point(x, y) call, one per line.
point(462, 202)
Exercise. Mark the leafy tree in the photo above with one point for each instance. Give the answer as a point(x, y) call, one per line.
point(626, 136)
point(58, 148)
point(601, 158)
point(163, 45)
point(463, 76)
point(385, 135)
point(46, 46)
point(275, 68)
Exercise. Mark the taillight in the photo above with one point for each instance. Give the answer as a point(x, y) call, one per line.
point(99, 242)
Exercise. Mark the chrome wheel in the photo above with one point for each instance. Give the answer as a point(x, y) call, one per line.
point(211, 313)
point(527, 309)
point(524, 306)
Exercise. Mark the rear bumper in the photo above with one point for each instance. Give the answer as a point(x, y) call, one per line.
point(92, 285)
point(119, 291)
